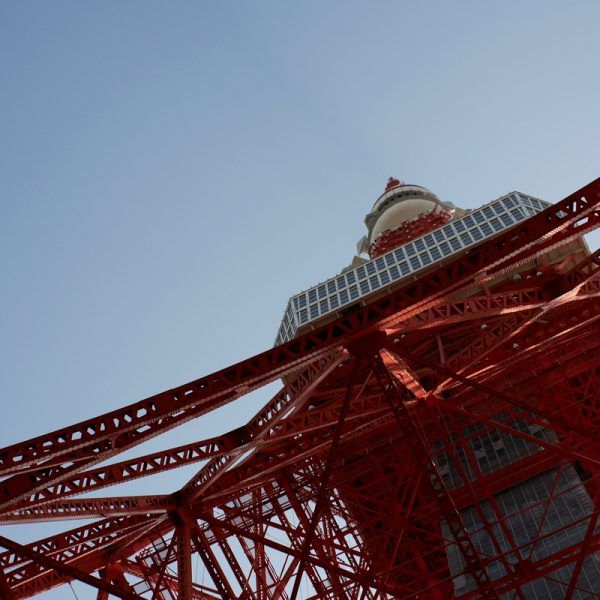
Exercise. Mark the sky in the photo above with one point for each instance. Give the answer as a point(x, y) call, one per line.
point(171, 173)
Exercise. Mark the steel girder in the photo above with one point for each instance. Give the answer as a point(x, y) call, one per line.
point(362, 476)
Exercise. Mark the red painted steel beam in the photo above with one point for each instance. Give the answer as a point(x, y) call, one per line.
point(266, 468)
point(184, 561)
point(236, 441)
point(211, 564)
point(542, 370)
point(63, 545)
point(127, 470)
point(96, 558)
point(475, 307)
point(291, 533)
point(517, 328)
point(68, 570)
point(91, 508)
point(557, 422)
point(290, 397)
point(530, 357)
point(5, 590)
point(198, 592)
point(67, 548)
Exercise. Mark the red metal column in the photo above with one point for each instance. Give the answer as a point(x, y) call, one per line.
point(184, 559)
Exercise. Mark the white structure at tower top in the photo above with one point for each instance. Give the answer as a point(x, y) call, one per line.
point(399, 204)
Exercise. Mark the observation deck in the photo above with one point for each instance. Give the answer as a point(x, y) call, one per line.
point(336, 295)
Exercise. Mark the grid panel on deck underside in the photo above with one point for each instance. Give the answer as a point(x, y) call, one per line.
point(355, 284)
point(544, 514)
point(492, 450)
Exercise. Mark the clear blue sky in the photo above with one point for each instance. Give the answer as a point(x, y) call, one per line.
point(170, 173)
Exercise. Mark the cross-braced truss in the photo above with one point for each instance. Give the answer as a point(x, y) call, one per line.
point(385, 467)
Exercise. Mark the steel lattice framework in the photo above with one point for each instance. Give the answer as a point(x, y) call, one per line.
point(341, 486)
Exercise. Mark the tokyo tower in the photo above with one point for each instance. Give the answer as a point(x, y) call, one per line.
point(435, 434)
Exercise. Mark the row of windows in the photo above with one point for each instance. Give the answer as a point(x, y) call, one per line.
point(492, 451)
point(448, 232)
point(369, 280)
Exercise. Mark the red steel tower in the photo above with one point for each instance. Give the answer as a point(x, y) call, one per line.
point(435, 435)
